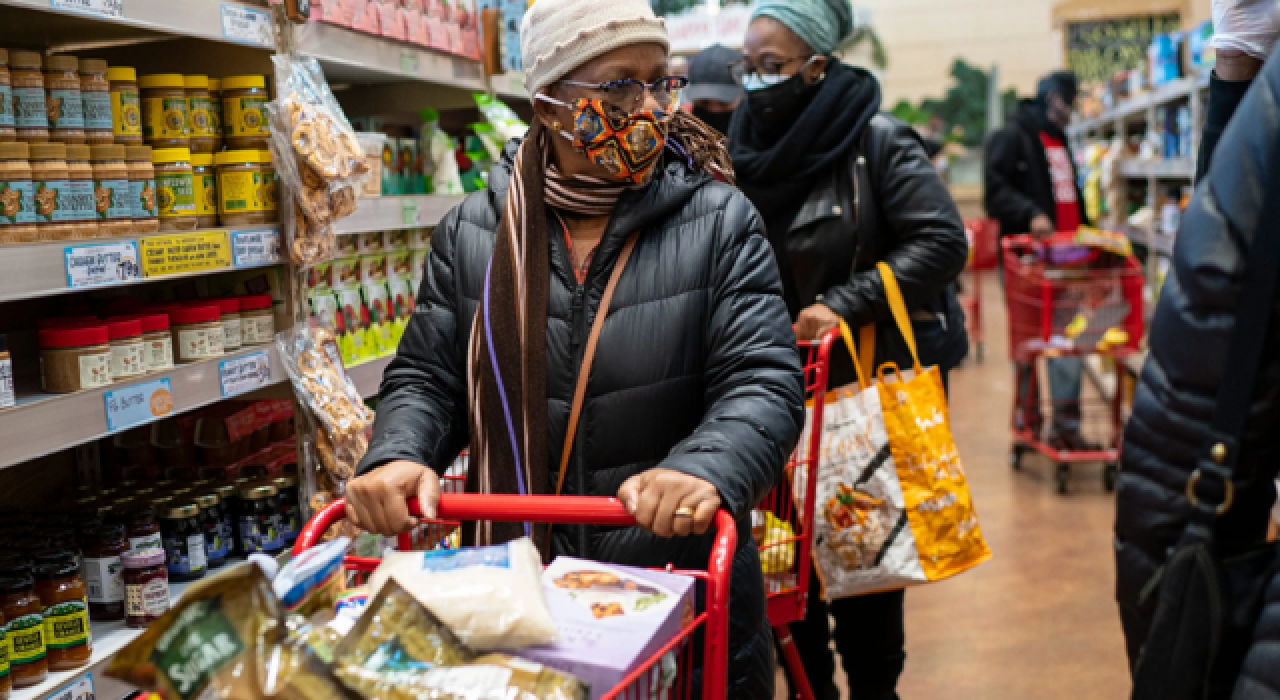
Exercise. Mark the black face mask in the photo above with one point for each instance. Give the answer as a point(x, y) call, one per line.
point(716, 120)
point(775, 108)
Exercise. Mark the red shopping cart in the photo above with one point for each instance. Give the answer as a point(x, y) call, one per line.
point(710, 628)
point(785, 558)
point(984, 253)
point(1069, 301)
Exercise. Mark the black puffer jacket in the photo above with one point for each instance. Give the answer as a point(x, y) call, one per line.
point(1179, 385)
point(696, 370)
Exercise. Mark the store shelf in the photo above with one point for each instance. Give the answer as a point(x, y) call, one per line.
point(400, 212)
point(1176, 169)
point(1137, 106)
point(49, 423)
point(40, 269)
point(509, 85)
point(367, 376)
point(354, 57)
point(108, 22)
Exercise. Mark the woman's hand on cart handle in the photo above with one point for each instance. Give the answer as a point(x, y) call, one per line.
point(815, 321)
point(378, 501)
point(667, 502)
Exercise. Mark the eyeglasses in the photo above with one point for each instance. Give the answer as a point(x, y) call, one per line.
point(627, 94)
point(741, 68)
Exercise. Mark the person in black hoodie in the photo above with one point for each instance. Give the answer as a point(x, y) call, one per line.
point(712, 89)
point(841, 187)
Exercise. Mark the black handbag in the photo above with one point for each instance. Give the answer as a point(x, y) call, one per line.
point(1208, 603)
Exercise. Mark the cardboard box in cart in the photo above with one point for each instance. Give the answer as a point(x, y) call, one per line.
point(611, 619)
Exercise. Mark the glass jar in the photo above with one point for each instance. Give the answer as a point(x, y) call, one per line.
point(146, 587)
point(126, 105)
point(29, 115)
point(74, 358)
point(127, 349)
point(17, 195)
point(157, 342)
point(22, 611)
point(142, 189)
point(215, 112)
point(80, 181)
point(7, 130)
point(206, 190)
point(141, 526)
point(175, 189)
point(257, 320)
point(229, 309)
point(244, 114)
point(65, 599)
point(290, 508)
point(111, 202)
point(270, 188)
point(63, 104)
point(258, 524)
point(95, 93)
point(227, 504)
point(184, 541)
point(197, 333)
point(199, 106)
point(165, 121)
point(239, 188)
point(216, 546)
point(103, 570)
point(52, 191)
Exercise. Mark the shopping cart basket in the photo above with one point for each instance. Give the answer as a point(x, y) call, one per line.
point(1068, 301)
point(984, 248)
point(710, 628)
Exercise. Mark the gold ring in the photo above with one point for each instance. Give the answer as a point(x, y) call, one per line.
point(685, 511)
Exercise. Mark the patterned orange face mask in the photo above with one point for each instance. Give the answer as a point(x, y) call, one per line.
point(627, 146)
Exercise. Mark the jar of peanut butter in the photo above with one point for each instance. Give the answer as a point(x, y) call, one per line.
point(239, 188)
point(270, 187)
point(199, 107)
point(244, 114)
point(142, 189)
point(80, 179)
point(175, 189)
point(17, 195)
point(7, 130)
point(165, 122)
point(126, 105)
point(63, 103)
point(55, 219)
point(215, 112)
point(95, 92)
point(30, 118)
point(111, 204)
point(206, 190)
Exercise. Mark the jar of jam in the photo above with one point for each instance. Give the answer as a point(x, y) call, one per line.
point(259, 524)
point(184, 541)
point(215, 545)
point(165, 123)
point(146, 587)
point(126, 105)
point(95, 91)
point(63, 104)
point(140, 524)
point(290, 508)
point(30, 117)
point(7, 132)
point(227, 503)
point(66, 612)
point(103, 572)
point(25, 623)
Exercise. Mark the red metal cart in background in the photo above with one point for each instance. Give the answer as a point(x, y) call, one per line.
point(984, 255)
point(709, 629)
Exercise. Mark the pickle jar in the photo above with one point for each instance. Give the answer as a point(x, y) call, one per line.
point(175, 189)
point(164, 110)
point(142, 189)
point(24, 619)
point(17, 195)
point(63, 104)
point(126, 105)
point(270, 191)
point(244, 114)
point(30, 118)
point(206, 190)
point(199, 108)
point(65, 598)
point(7, 130)
point(52, 191)
point(95, 93)
point(215, 112)
point(80, 186)
point(240, 188)
point(111, 203)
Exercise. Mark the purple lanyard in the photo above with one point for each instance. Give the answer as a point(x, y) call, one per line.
point(502, 391)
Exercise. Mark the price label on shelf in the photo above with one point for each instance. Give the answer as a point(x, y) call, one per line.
point(408, 61)
point(81, 688)
point(244, 373)
point(99, 265)
point(138, 404)
point(185, 252)
point(247, 25)
point(254, 248)
point(105, 8)
point(409, 212)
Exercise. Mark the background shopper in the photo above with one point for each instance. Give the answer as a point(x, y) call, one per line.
point(842, 187)
point(712, 89)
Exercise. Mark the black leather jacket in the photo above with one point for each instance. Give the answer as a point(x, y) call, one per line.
point(696, 370)
point(887, 203)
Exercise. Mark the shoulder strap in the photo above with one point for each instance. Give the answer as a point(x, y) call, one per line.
point(580, 390)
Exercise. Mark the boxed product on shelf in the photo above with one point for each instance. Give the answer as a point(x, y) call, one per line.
point(370, 243)
point(399, 278)
point(373, 292)
point(353, 337)
point(396, 240)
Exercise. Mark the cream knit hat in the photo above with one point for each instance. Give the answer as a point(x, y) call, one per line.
point(557, 36)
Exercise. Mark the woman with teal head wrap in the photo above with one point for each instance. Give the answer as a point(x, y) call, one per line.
point(822, 24)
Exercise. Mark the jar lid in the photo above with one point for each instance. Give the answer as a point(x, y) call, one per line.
point(14, 150)
point(117, 330)
point(243, 82)
point(202, 160)
point(215, 84)
point(93, 65)
point(234, 157)
point(143, 558)
point(207, 500)
point(253, 302)
point(152, 323)
point(264, 156)
point(254, 493)
point(171, 155)
point(162, 80)
point(108, 151)
point(137, 152)
point(16, 581)
point(195, 314)
point(285, 482)
point(178, 510)
point(51, 150)
point(77, 151)
point(122, 74)
point(26, 59)
point(53, 338)
point(225, 490)
point(4, 57)
point(195, 82)
point(61, 568)
point(65, 63)
point(228, 305)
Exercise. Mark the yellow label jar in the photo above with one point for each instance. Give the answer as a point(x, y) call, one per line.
point(126, 105)
point(200, 114)
point(175, 189)
point(244, 114)
point(240, 185)
point(206, 190)
point(164, 110)
point(215, 112)
point(269, 192)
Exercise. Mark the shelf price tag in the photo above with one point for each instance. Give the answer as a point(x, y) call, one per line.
point(184, 252)
point(247, 25)
point(254, 248)
point(81, 687)
point(99, 265)
point(408, 61)
point(244, 373)
point(409, 212)
point(141, 403)
point(105, 8)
